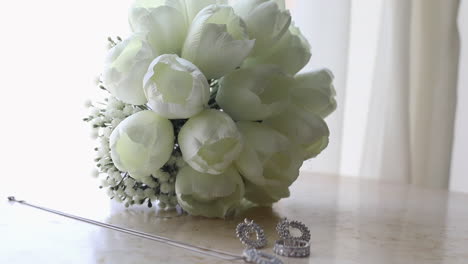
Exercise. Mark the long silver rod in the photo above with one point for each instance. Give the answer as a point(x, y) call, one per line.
point(205, 251)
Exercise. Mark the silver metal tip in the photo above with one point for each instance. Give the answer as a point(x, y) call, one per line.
point(11, 199)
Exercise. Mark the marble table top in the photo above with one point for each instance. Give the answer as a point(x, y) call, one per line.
point(351, 221)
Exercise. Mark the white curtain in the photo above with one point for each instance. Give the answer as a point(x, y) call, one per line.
point(397, 64)
point(459, 168)
point(326, 24)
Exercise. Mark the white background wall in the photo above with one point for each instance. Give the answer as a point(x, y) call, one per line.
point(50, 54)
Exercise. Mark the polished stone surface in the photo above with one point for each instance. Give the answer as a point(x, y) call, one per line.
point(351, 221)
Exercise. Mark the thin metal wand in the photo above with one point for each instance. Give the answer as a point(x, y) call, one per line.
point(205, 251)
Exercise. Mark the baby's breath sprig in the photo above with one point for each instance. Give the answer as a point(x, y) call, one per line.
point(104, 117)
point(112, 42)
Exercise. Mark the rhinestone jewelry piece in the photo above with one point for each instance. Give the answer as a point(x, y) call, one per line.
point(292, 248)
point(283, 229)
point(252, 255)
point(246, 228)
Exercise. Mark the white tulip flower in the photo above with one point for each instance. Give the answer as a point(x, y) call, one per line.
point(142, 143)
point(254, 93)
point(207, 194)
point(269, 162)
point(141, 8)
point(314, 92)
point(306, 129)
point(175, 88)
point(291, 53)
point(266, 21)
point(187, 8)
point(192, 7)
point(124, 68)
point(217, 41)
point(165, 26)
point(210, 141)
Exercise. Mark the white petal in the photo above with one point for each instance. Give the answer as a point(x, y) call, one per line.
point(217, 42)
point(249, 164)
point(265, 195)
point(175, 88)
point(206, 186)
point(279, 158)
point(192, 7)
point(281, 4)
point(291, 53)
point(209, 195)
point(305, 129)
point(188, 8)
point(124, 68)
point(142, 144)
point(210, 141)
point(165, 26)
point(314, 92)
point(141, 8)
point(254, 93)
point(266, 22)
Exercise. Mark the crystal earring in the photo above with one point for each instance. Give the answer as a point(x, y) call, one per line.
point(289, 245)
point(283, 229)
point(245, 229)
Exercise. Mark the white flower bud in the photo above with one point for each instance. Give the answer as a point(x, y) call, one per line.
point(210, 141)
point(110, 192)
point(95, 173)
point(164, 24)
point(142, 143)
point(149, 193)
point(173, 200)
point(117, 176)
point(269, 163)
point(88, 103)
point(291, 53)
point(128, 110)
point(129, 182)
point(167, 188)
point(162, 176)
point(125, 66)
point(106, 133)
point(254, 93)
point(94, 134)
point(136, 110)
point(115, 122)
point(209, 195)
point(139, 194)
point(266, 22)
point(217, 41)
point(130, 191)
point(175, 88)
point(111, 182)
point(95, 111)
point(305, 129)
point(149, 181)
point(314, 92)
point(104, 183)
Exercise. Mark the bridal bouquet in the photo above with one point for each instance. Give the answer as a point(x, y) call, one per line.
point(205, 107)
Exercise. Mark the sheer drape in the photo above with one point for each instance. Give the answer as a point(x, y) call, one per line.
point(398, 99)
point(386, 146)
point(459, 168)
point(326, 24)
